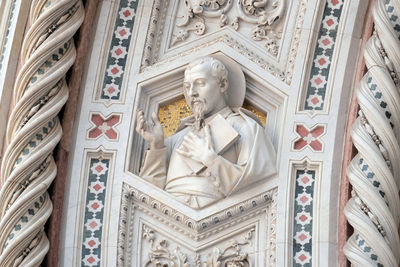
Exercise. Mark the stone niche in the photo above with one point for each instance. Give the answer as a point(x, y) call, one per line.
point(239, 229)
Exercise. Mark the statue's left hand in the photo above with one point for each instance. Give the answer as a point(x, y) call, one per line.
point(198, 148)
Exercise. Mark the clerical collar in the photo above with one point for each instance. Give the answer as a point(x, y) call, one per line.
point(225, 112)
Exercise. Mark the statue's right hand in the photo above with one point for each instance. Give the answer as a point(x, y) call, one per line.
point(153, 134)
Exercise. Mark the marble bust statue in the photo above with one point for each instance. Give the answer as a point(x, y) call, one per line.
point(217, 151)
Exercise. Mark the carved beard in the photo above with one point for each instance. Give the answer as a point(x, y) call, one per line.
point(198, 110)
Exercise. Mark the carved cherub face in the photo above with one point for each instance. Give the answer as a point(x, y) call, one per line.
point(204, 89)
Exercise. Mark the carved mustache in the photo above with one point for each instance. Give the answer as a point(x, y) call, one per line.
point(197, 101)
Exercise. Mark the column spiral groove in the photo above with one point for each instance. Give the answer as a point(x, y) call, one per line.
point(34, 129)
point(374, 173)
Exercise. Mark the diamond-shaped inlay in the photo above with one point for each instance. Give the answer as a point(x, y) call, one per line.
point(94, 212)
point(319, 74)
point(303, 216)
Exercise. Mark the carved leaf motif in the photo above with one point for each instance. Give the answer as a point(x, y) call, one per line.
point(149, 235)
point(259, 33)
point(214, 4)
point(235, 23)
point(263, 14)
point(223, 20)
point(214, 261)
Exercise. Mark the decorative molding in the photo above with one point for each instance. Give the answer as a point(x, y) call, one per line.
point(196, 228)
point(261, 15)
point(156, 15)
point(4, 39)
point(232, 255)
point(231, 42)
point(374, 173)
point(133, 200)
point(34, 130)
point(295, 41)
point(271, 216)
point(151, 59)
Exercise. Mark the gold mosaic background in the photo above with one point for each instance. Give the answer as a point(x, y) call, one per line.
point(260, 115)
point(171, 114)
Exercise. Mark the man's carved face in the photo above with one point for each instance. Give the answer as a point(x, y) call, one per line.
point(203, 91)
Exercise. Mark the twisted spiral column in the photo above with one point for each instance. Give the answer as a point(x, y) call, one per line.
point(374, 173)
point(33, 130)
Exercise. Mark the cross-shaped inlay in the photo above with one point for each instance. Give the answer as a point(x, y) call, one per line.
point(307, 137)
point(104, 126)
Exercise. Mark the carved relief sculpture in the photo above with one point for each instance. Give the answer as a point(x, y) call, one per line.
point(231, 256)
point(217, 151)
point(262, 16)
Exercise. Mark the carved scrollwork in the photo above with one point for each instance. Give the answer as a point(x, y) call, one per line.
point(232, 256)
point(231, 250)
point(263, 14)
point(161, 254)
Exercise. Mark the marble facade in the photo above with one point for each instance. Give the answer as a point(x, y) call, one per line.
point(299, 61)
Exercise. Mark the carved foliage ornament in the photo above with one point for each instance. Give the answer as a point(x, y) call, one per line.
point(161, 254)
point(263, 15)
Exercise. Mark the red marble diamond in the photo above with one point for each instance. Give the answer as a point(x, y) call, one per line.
point(126, 13)
point(95, 206)
point(315, 100)
point(111, 89)
point(302, 237)
point(321, 61)
point(305, 179)
point(99, 168)
point(91, 259)
point(303, 218)
point(302, 257)
point(326, 41)
point(318, 81)
point(93, 224)
point(97, 187)
point(118, 51)
point(330, 22)
point(304, 199)
point(114, 70)
point(334, 2)
point(122, 32)
point(92, 243)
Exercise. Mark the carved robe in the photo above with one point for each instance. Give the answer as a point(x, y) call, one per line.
point(248, 160)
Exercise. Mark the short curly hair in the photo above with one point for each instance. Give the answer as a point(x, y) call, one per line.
point(219, 70)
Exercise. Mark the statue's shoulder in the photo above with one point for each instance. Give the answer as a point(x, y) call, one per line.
point(244, 122)
point(244, 114)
